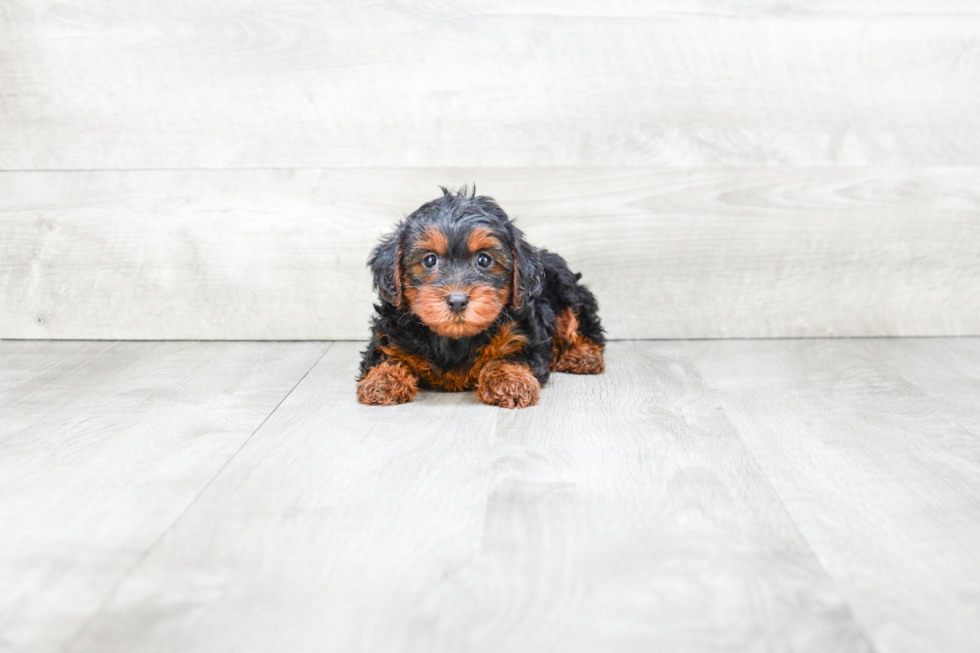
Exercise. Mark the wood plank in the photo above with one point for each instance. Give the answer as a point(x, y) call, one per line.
point(102, 447)
point(946, 369)
point(883, 485)
point(670, 253)
point(626, 515)
point(623, 513)
point(259, 83)
point(334, 520)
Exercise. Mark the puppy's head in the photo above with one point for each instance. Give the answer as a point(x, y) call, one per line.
point(456, 263)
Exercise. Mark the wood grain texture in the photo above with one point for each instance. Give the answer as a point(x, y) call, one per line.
point(102, 447)
point(883, 484)
point(623, 513)
point(259, 83)
point(325, 532)
point(948, 370)
point(670, 254)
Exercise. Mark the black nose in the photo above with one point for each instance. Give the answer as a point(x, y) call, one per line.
point(457, 301)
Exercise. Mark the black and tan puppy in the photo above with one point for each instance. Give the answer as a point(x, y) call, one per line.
point(468, 304)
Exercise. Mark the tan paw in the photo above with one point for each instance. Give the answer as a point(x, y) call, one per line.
point(583, 358)
point(387, 384)
point(508, 385)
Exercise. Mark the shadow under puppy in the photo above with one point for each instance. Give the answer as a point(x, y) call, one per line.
point(468, 304)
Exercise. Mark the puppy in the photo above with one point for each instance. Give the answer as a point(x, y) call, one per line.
point(468, 304)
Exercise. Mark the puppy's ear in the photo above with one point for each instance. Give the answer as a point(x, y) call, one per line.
point(527, 274)
point(386, 265)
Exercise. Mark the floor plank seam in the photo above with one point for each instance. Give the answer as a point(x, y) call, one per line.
point(156, 542)
point(790, 516)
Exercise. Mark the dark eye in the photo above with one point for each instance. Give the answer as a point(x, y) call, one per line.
point(484, 260)
point(430, 260)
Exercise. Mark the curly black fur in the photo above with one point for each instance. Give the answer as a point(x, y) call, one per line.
point(545, 287)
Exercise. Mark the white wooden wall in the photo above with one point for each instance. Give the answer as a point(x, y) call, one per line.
point(716, 168)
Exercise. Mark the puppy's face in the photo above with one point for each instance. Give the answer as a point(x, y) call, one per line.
point(456, 263)
point(456, 275)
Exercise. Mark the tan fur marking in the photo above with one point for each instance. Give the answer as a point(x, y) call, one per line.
point(409, 292)
point(429, 303)
point(418, 365)
point(508, 385)
point(505, 343)
point(571, 351)
point(434, 241)
point(481, 238)
point(584, 358)
point(386, 384)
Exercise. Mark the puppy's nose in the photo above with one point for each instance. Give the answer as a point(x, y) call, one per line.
point(457, 301)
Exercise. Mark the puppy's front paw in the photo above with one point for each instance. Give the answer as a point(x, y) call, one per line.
point(387, 384)
point(583, 358)
point(508, 385)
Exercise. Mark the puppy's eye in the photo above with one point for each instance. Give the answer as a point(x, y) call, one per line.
point(484, 260)
point(430, 260)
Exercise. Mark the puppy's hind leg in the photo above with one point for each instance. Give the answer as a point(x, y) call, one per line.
point(577, 340)
point(572, 351)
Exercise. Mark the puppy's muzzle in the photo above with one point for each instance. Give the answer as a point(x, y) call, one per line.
point(457, 301)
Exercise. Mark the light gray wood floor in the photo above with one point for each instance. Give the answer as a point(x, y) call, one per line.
point(742, 495)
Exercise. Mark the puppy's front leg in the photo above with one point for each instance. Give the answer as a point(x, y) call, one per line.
point(508, 385)
point(388, 383)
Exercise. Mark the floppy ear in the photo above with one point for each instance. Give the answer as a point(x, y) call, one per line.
point(386, 265)
point(527, 274)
